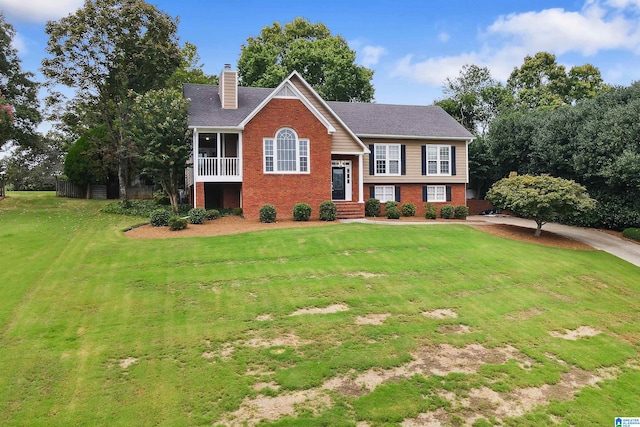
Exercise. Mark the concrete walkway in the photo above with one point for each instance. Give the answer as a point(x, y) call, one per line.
point(621, 248)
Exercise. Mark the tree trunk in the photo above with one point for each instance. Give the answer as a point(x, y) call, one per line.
point(172, 192)
point(122, 179)
point(539, 229)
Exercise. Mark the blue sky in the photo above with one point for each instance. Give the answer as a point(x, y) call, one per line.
point(413, 45)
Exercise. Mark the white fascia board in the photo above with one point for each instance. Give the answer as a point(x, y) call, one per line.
point(201, 129)
point(337, 117)
point(350, 153)
point(434, 138)
point(301, 97)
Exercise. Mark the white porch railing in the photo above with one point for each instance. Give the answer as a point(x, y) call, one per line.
point(219, 167)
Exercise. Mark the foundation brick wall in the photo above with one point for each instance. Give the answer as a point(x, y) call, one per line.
point(285, 190)
point(412, 193)
point(199, 195)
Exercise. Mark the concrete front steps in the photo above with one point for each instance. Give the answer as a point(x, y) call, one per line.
point(350, 210)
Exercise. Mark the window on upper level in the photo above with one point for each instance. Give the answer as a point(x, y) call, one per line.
point(387, 159)
point(438, 160)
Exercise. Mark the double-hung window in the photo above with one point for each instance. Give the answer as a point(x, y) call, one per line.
point(286, 153)
point(387, 159)
point(385, 193)
point(436, 193)
point(438, 160)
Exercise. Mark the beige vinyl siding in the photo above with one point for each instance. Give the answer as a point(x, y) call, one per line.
point(228, 90)
point(414, 163)
point(341, 140)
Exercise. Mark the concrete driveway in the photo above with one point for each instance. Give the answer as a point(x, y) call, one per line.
point(623, 249)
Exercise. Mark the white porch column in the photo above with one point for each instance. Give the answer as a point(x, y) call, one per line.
point(196, 166)
point(360, 179)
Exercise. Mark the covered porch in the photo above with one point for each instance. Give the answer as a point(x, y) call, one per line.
point(219, 156)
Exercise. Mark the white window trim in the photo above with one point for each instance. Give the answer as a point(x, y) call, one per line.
point(387, 160)
point(384, 189)
point(274, 156)
point(435, 188)
point(438, 161)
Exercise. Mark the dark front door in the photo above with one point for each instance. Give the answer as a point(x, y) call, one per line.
point(337, 183)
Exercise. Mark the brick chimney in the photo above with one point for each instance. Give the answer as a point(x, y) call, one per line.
point(228, 88)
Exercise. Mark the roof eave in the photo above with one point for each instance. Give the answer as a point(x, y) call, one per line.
point(436, 138)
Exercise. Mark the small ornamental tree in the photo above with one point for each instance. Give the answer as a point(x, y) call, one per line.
point(542, 198)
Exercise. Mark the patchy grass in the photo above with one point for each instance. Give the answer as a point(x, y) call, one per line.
point(326, 325)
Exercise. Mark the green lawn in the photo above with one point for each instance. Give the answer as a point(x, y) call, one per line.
point(100, 329)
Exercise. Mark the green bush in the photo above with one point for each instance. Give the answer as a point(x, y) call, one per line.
point(446, 212)
point(301, 212)
point(268, 213)
point(632, 233)
point(141, 208)
point(177, 223)
point(197, 215)
point(372, 207)
point(460, 212)
point(213, 214)
point(390, 204)
point(409, 209)
point(161, 198)
point(430, 211)
point(236, 211)
point(328, 211)
point(159, 218)
point(393, 212)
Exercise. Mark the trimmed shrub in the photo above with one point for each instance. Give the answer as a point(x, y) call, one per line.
point(213, 214)
point(390, 204)
point(159, 218)
point(460, 212)
point(268, 213)
point(177, 223)
point(632, 233)
point(197, 215)
point(446, 212)
point(430, 211)
point(236, 211)
point(372, 207)
point(409, 209)
point(392, 212)
point(328, 211)
point(301, 212)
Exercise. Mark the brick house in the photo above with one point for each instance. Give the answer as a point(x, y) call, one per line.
point(253, 146)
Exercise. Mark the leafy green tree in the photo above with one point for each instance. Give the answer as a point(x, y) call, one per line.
point(159, 125)
point(190, 70)
point(87, 161)
point(109, 51)
point(540, 82)
point(326, 62)
point(474, 98)
point(33, 168)
point(19, 115)
point(542, 198)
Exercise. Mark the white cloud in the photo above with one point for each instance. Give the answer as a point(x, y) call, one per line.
point(39, 10)
point(504, 44)
point(371, 55)
point(19, 44)
point(444, 37)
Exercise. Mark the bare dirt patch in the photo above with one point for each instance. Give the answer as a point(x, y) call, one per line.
point(441, 313)
point(454, 329)
point(264, 385)
point(365, 274)
point(125, 363)
point(525, 234)
point(264, 318)
point(230, 224)
point(372, 319)
point(335, 308)
point(286, 340)
point(524, 314)
point(252, 411)
point(575, 334)
point(223, 353)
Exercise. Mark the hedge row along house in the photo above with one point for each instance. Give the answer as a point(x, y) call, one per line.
point(282, 146)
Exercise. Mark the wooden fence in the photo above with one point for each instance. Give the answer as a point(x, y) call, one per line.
point(99, 191)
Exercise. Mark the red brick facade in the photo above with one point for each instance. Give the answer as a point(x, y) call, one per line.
point(285, 190)
point(412, 193)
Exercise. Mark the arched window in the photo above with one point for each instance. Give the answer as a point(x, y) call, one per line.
point(286, 153)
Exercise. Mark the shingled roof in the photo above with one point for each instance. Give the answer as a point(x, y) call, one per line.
point(367, 119)
point(364, 119)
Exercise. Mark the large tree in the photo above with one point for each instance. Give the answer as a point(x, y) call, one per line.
point(159, 125)
point(190, 70)
point(109, 51)
point(324, 60)
point(542, 198)
point(19, 115)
